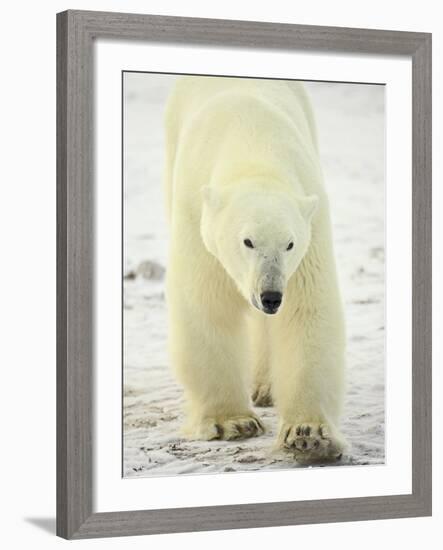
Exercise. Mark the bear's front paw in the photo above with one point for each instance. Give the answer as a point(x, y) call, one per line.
point(235, 427)
point(261, 396)
point(311, 442)
point(239, 427)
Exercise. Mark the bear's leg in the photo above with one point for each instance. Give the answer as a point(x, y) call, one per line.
point(261, 360)
point(308, 384)
point(209, 357)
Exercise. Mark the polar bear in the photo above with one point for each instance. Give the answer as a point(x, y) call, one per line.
point(251, 280)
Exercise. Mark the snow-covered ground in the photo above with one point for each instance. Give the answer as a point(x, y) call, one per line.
point(350, 120)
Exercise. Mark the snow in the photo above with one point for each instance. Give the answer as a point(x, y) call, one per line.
point(350, 119)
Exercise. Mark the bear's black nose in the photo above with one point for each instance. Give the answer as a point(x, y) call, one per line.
point(271, 300)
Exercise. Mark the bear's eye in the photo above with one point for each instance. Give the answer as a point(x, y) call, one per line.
point(248, 243)
point(290, 246)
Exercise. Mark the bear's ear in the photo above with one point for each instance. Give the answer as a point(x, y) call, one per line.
point(308, 206)
point(211, 196)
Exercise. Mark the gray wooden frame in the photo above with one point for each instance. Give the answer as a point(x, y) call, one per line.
point(76, 31)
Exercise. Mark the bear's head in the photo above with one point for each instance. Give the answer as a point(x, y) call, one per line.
point(259, 237)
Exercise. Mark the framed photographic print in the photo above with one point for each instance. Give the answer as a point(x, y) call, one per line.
point(244, 274)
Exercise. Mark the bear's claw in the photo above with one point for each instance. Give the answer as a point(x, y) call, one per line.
point(311, 443)
point(234, 427)
point(239, 428)
point(261, 396)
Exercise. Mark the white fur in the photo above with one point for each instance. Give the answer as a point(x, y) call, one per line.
point(242, 163)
